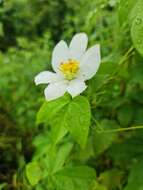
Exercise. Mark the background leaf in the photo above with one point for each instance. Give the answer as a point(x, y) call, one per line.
point(76, 178)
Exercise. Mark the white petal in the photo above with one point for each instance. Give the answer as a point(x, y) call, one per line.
point(46, 77)
point(60, 54)
point(76, 86)
point(55, 90)
point(90, 62)
point(78, 46)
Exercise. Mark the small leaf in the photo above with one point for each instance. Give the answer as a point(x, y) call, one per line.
point(34, 173)
point(78, 119)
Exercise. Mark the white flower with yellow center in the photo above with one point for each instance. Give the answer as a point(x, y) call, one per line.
point(73, 65)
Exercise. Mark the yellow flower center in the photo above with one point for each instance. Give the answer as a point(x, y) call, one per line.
point(69, 68)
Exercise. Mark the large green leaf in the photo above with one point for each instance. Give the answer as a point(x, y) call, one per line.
point(75, 178)
point(49, 109)
point(136, 18)
point(137, 9)
point(59, 125)
point(137, 32)
point(65, 115)
point(54, 113)
point(78, 119)
point(61, 156)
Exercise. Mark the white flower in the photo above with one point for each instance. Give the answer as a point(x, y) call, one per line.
point(73, 65)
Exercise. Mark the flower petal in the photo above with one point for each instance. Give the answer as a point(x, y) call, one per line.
point(46, 77)
point(55, 90)
point(76, 86)
point(90, 62)
point(78, 46)
point(60, 54)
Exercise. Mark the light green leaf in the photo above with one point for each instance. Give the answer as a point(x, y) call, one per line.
point(137, 32)
point(136, 10)
point(49, 109)
point(34, 173)
point(61, 156)
point(66, 115)
point(75, 178)
point(54, 113)
point(78, 119)
point(59, 125)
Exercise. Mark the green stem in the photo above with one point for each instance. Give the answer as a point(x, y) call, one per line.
point(101, 130)
point(126, 55)
point(121, 129)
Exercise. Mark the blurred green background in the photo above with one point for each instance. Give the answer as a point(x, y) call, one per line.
point(29, 29)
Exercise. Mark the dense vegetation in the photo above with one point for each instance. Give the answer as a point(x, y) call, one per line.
point(113, 156)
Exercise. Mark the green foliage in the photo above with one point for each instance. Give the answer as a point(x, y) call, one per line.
point(34, 173)
point(78, 119)
point(75, 178)
point(66, 115)
point(136, 32)
point(135, 177)
point(101, 141)
point(71, 139)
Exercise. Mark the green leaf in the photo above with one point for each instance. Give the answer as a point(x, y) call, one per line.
point(101, 141)
point(66, 115)
point(61, 156)
point(49, 109)
point(125, 114)
point(127, 150)
point(111, 178)
point(34, 173)
point(59, 125)
point(3, 185)
point(107, 68)
point(54, 113)
point(75, 178)
point(78, 119)
point(137, 32)
point(136, 10)
point(125, 8)
point(1, 29)
point(135, 180)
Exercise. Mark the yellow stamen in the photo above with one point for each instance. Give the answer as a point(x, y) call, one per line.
point(69, 68)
